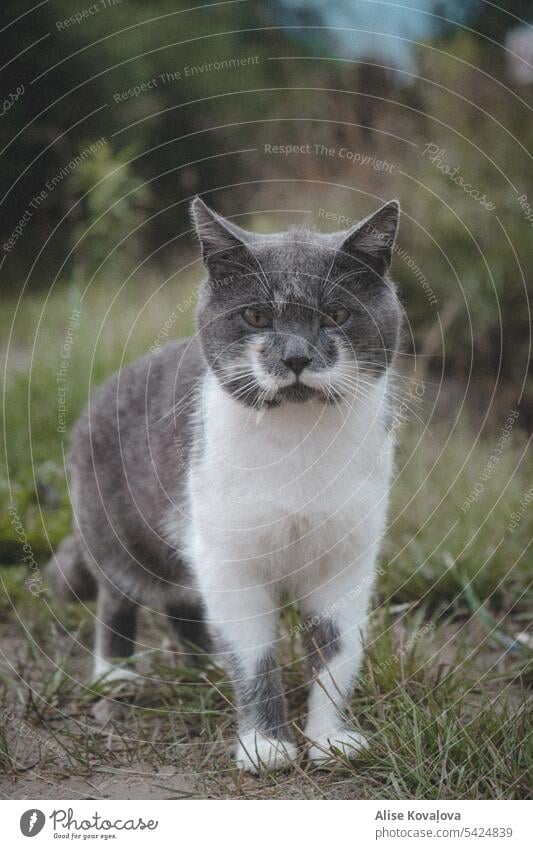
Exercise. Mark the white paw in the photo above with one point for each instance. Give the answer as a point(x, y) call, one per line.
point(256, 752)
point(347, 741)
point(105, 672)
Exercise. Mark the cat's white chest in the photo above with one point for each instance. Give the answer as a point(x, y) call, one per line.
point(290, 483)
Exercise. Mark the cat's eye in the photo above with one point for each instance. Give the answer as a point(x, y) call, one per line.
point(334, 317)
point(258, 317)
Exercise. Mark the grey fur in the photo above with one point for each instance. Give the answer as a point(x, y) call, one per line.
point(69, 578)
point(260, 698)
point(125, 477)
point(188, 622)
point(322, 641)
point(299, 275)
point(115, 624)
point(125, 474)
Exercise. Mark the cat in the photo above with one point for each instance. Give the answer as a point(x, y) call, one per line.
point(217, 476)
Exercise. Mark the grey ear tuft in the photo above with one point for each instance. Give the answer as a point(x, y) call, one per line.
point(375, 236)
point(216, 234)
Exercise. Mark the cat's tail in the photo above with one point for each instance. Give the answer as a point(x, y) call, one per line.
point(67, 573)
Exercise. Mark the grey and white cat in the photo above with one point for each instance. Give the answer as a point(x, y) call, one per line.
point(222, 474)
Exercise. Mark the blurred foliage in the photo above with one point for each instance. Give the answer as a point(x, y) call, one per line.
point(138, 77)
point(115, 203)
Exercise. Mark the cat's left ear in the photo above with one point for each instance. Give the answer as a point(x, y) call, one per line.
point(372, 240)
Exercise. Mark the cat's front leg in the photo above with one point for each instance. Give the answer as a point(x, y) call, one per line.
point(243, 622)
point(335, 618)
point(264, 738)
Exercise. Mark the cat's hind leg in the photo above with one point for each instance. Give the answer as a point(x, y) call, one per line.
point(116, 619)
point(187, 620)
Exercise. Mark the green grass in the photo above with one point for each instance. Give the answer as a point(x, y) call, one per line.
point(443, 694)
point(114, 328)
point(446, 713)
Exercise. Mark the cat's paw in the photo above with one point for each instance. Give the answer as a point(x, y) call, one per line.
point(348, 742)
point(107, 673)
point(255, 753)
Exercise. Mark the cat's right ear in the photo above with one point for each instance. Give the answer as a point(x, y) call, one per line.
point(224, 245)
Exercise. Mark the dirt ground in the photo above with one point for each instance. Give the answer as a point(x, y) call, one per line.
point(171, 738)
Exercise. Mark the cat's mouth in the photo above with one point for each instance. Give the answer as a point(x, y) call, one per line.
point(256, 387)
point(295, 392)
point(300, 390)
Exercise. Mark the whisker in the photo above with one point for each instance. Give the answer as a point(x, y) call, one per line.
point(182, 403)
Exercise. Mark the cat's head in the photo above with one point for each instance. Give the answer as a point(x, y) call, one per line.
point(291, 316)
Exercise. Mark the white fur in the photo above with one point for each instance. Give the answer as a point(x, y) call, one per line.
point(256, 752)
point(294, 500)
point(348, 742)
point(107, 672)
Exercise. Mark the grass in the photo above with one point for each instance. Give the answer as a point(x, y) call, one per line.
point(443, 695)
point(446, 714)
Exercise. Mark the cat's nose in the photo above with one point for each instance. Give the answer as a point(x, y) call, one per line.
point(297, 364)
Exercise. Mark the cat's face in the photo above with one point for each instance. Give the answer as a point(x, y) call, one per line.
point(297, 315)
